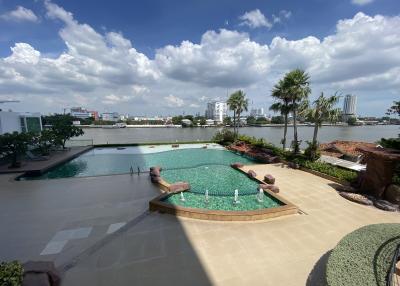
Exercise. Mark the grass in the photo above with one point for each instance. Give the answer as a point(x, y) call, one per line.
point(363, 257)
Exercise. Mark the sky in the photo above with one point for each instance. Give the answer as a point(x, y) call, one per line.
point(161, 57)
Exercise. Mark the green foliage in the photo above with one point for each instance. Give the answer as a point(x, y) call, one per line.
point(63, 129)
point(393, 143)
point(394, 109)
point(251, 120)
point(228, 120)
point(177, 120)
point(261, 143)
point(44, 141)
point(224, 137)
point(312, 151)
point(328, 169)
point(352, 121)
point(261, 120)
point(11, 273)
point(237, 102)
point(363, 257)
point(14, 144)
point(277, 120)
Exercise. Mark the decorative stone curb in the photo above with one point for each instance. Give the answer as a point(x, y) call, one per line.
point(269, 179)
point(272, 188)
point(251, 174)
point(386, 206)
point(357, 198)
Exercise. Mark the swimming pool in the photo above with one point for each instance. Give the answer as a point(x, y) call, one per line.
point(111, 161)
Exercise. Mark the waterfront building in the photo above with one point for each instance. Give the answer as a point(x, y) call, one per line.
point(349, 107)
point(257, 112)
point(216, 110)
point(20, 122)
point(110, 116)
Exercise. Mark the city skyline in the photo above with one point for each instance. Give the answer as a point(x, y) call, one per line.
point(74, 57)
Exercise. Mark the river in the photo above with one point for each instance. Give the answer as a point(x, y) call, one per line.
point(271, 134)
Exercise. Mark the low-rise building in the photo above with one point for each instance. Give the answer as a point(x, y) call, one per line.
point(110, 116)
point(20, 122)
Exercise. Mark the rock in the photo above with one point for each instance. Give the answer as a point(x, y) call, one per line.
point(251, 174)
point(386, 206)
point(155, 179)
point(269, 179)
point(357, 198)
point(175, 145)
point(179, 187)
point(272, 188)
point(40, 273)
point(293, 165)
point(392, 194)
point(236, 165)
point(155, 168)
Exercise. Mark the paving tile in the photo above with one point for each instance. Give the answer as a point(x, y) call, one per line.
point(115, 226)
point(54, 247)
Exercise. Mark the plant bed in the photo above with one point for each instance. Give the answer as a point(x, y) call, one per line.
point(363, 257)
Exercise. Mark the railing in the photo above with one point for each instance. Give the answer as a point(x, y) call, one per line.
point(393, 278)
point(79, 142)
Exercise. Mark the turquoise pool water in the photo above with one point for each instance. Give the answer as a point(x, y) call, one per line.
point(246, 202)
point(108, 161)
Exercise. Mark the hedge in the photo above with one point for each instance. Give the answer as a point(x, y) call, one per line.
point(364, 256)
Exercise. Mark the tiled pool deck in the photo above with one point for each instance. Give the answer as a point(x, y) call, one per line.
point(71, 218)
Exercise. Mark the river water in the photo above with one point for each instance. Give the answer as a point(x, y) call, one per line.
point(271, 134)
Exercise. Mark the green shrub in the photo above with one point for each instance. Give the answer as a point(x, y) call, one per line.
point(11, 273)
point(363, 257)
point(312, 151)
point(393, 143)
point(261, 143)
point(328, 169)
point(224, 137)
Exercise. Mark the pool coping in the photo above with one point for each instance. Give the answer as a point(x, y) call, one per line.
point(158, 204)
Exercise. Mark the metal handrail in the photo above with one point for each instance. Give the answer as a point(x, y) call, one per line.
point(396, 257)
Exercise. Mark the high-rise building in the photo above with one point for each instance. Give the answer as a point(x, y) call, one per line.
point(349, 106)
point(257, 112)
point(216, 110)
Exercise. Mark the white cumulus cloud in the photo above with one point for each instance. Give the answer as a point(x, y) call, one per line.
point(20, 14)
point(174, 101)
point(255, 19)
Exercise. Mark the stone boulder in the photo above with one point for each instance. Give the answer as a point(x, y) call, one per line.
point(392, 194)
point(293, 165)
point(386, 206)
point(272, 188)
point(251, 174)
point(179, 187)
point(40, 273)
point(269, 179)
point(236, 165)
point(155, 179)
point(357, 198)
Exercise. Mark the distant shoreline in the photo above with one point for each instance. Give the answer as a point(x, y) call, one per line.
point(179, 126)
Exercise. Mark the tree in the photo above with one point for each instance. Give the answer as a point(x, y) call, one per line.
point(297, 84)
point(63, 129)
point(251, 120)
point(282, 105)
point(14, 144)
point(322, 110)
point(177, 120)
point(203, 121)
point(238, 103)
point(227, 120)
point(44, 141)
point(278, 120)
point(394, 109)
point(261, 120)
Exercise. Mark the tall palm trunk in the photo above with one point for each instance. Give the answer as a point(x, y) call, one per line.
point(296, 141)
point(285, 132)
point(238, 123)
point(234, 123)
point(315, 136)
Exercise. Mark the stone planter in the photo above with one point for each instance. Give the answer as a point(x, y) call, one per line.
point(40, 273)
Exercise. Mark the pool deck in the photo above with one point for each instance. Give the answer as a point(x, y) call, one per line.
point(71, 218)
point(55, 158)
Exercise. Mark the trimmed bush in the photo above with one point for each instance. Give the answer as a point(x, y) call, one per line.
point(224, 137)
point(363, 257)
point(11, 273)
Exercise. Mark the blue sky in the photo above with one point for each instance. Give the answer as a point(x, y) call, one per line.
point(180, 58)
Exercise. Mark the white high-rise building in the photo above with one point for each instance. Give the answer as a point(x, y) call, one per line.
point(349, 106)
point(257, 112)
point(216, 110)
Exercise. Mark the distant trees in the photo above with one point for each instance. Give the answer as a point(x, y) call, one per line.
point(238, 103)
point(278, 120)
point(227, 120)
point(352, 121)
point(251, 120)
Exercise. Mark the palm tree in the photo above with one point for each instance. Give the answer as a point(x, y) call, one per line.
point(297, 83)
point(322, 110)
point(282, 105)
point(238, 103)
